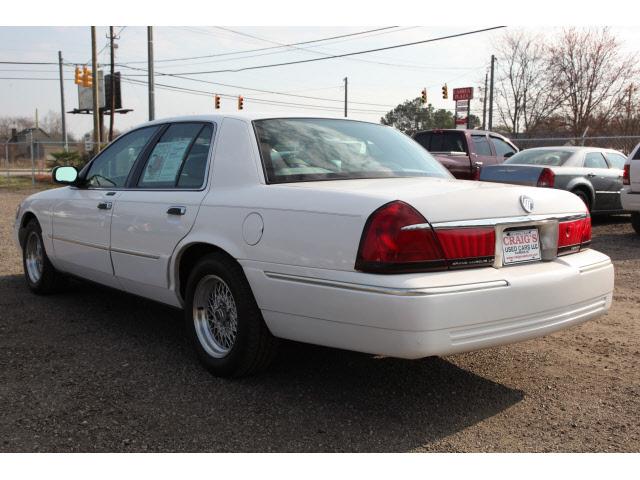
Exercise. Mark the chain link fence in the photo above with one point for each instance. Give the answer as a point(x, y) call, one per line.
point(36, 159)
point(624, 144)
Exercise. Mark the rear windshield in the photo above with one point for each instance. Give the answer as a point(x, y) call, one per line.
point(308, 149)
point(444, 141)
point(540, 157)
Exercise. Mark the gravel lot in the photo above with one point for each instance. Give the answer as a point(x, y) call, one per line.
point(92, 369)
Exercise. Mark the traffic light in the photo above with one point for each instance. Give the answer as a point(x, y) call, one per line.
point(78, 76)
point(87, 77)
point(445, 91)
point(240, 102)
point(217, 101)
point(424, 96)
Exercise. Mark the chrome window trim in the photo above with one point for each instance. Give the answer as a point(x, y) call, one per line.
point(402, 292)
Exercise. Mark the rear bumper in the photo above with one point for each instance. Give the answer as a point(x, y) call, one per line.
point(418, 315)
point(630, 200)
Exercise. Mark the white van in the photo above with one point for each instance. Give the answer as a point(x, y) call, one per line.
point(630, 195)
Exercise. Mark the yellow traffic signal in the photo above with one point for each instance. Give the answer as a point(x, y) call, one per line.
point(445, 91)
point(217, 101)
point(78, 76)
point(240, 102)
point(424, 95)
point(87, 77)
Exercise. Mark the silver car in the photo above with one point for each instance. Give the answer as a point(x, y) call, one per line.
point(593, 174)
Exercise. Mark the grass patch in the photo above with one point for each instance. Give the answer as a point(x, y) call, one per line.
point(43, 182)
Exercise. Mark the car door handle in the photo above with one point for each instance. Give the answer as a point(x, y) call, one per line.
point(177, 210)
point(105, 205)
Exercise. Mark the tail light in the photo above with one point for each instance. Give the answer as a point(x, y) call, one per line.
point(626, 176)
point(574, 235)
point(397, 238)
point(547, 178)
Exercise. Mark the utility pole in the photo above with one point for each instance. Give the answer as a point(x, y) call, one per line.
point(112, 85)
point(493, 61)
point(152, 100)
point(96, 108)
point(484, 101)
point(62, 112)
point(346, 85)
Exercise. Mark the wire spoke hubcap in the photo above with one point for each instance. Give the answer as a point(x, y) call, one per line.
point(34, 257)
point(215, 316)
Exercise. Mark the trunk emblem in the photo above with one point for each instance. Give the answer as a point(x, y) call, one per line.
point(526, 203)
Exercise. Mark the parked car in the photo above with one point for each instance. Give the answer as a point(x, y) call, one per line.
point(593, 174)
point(630, 195)
point(464, 152)
point(328, 231)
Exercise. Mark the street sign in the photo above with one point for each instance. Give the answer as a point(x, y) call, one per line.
point(465, 93)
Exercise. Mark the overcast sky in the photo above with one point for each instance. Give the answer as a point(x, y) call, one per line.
point(384, 79)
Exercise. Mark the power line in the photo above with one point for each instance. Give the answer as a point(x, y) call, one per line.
point(237, 52)
point(273, 92)
point(342, 55)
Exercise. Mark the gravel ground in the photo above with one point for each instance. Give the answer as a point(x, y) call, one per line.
point(96, 370)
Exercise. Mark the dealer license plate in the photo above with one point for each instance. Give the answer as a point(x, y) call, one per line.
point(520, 246)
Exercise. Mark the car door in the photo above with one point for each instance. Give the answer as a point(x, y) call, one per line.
point(82, 221)
point(616, 163)
point(159, 208)
point(481, 150)
point(603, 180)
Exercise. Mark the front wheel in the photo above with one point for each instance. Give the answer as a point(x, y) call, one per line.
point(223, 320)
point(635, 221)
point(40, 274)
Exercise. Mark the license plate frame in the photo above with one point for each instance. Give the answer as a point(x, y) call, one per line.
point(520, 245)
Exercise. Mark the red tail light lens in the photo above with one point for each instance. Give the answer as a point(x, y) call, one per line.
point(468, 246)
point(386, 246)
point(397, 239)
point(547, 178)
point(626, 176)
point(574, 235)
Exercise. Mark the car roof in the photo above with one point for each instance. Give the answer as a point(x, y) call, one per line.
point(573, 149)
point(245, 116)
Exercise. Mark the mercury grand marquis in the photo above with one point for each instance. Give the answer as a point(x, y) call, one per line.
point(333, 232)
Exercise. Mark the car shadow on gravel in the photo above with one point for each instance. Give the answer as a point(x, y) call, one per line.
point(92, 369)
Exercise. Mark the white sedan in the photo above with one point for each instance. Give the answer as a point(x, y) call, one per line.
point(328, 231)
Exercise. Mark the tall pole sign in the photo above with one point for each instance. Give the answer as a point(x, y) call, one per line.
point(463, 97)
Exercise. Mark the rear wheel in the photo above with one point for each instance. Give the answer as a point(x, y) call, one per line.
point(635, 221)
point(223, 320)
point(40, 274)
point(583, 196)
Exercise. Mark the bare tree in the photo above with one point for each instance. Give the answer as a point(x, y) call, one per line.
point(525, 93)
point(591, 75)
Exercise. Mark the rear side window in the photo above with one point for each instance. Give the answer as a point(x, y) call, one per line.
point(178, 159)
point(481, 145)
point(637, 155)
point(444, 141)
point(616, 160)
point(501, 147)
point(594, 160)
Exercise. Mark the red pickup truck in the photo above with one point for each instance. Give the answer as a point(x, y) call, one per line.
point(464, 152)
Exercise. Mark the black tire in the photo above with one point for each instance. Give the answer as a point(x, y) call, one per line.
point(635, 221)
point(49, 280)
point(584, 196)
point(254, 347)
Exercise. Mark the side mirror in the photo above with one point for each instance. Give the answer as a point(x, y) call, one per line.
point(509, 154)
point(65, 175)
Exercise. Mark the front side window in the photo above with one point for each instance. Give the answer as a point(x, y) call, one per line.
point(616, 160)
point(594, 160)
point(481, 145)
point(112, 167)
point(181, 145)
point(307, 149)
point(501, 147)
